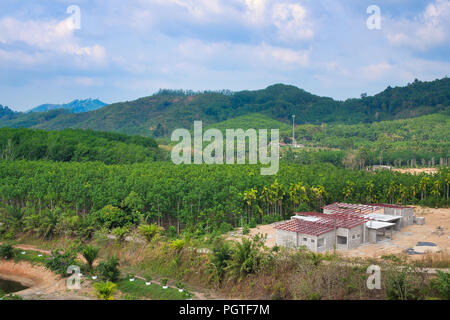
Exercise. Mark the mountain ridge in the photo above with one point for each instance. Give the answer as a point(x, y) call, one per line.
point(157, 115)
point(75, 106)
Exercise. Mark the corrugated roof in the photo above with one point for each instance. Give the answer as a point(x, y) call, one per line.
point(395, 206)
point(356, 208)
point(302, 223)
point(305, 227)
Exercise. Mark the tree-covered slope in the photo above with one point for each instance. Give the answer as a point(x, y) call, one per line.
point(75, 106)
point(76, 145)
point(159, 114)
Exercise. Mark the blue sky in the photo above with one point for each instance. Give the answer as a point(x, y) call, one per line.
point(124, 50)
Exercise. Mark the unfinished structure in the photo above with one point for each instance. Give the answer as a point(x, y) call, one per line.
point(343, 226)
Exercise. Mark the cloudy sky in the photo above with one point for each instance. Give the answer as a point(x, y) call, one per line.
point(119, 50)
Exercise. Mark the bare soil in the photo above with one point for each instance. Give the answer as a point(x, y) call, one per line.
point(416, 171)
point(409, 236)
point(43, 284)
point(402, 240)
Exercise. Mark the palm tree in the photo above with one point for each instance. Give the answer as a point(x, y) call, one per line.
point(90, 253)
point(423, 184)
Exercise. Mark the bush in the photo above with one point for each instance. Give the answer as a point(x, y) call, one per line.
point(172, 232)
point(105, 290)
point(442, 284)
point(164, 282)
point(60, 262)
point(220, 258)
point(90, 253)
point(109, 270)
point(150, 231)
point(177, 245)
point(225, 227)
point(403, 284)
point(112, 217)
point(252, 223)
point(120, 233)
point(6, 251)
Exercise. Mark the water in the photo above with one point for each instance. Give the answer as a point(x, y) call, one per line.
point(8, 286)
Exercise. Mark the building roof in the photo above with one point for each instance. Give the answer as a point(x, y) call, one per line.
point(341, 207)
point(382, 217)
point(395, 206)
point(305, 227)
point(378, 225)
point(314, 223)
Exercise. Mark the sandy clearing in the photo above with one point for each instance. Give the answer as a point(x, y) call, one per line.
point(404, 239)
point(43, 284)
point(409, 236)
point(417, 170)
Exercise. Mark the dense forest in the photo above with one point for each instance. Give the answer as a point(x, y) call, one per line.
point(49, 198)
point(421, 141)
point(77, 145)
point(166, 110)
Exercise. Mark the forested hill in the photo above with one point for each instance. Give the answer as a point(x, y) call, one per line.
point(160, 113)
point(77, 145)
point(75, 106)
point(5, 112)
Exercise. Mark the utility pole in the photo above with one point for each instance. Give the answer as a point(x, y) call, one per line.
point(293, 129)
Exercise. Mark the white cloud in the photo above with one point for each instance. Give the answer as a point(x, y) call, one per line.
point(428, 30)
point(292, 22)
point(49, 36)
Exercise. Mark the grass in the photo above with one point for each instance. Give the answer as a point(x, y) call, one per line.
point(138, 290)
point(30, 256)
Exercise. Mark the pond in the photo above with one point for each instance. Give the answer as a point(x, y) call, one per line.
point(8, 286)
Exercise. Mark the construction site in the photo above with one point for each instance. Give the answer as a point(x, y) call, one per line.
point(344, 226)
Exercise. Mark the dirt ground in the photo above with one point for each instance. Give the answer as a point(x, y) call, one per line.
point(402, 240)
point(409, 236)
point(417, 170)
point(42, 283)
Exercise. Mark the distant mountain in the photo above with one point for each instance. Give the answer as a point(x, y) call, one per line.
point(6, 112)
point(76, 106)
point(158, 115)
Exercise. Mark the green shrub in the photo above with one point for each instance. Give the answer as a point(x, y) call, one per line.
point(90, 253)
point(220, 258)
point(105, 290)
point(59, 262)
point(442, 284)
point(225, 227)
point(120, 233)
point(164, 282)
point(150, 231)
point(172, 232)
point(403, 284)
point(252, 223)
point(6, 251)
point(109, 270)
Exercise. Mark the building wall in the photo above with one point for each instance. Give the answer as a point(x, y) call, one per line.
point(407, 215)
point(355, 236)
point(372, 236)
point(329, 241)
point(286, 238)
point(310, 242)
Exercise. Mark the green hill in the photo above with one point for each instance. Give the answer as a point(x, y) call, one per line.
point(250, 121)
point(76, 145)
point(159, 114)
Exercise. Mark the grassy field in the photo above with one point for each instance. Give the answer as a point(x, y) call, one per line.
point(139, 290)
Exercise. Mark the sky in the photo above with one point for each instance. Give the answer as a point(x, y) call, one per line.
point(55, 51)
